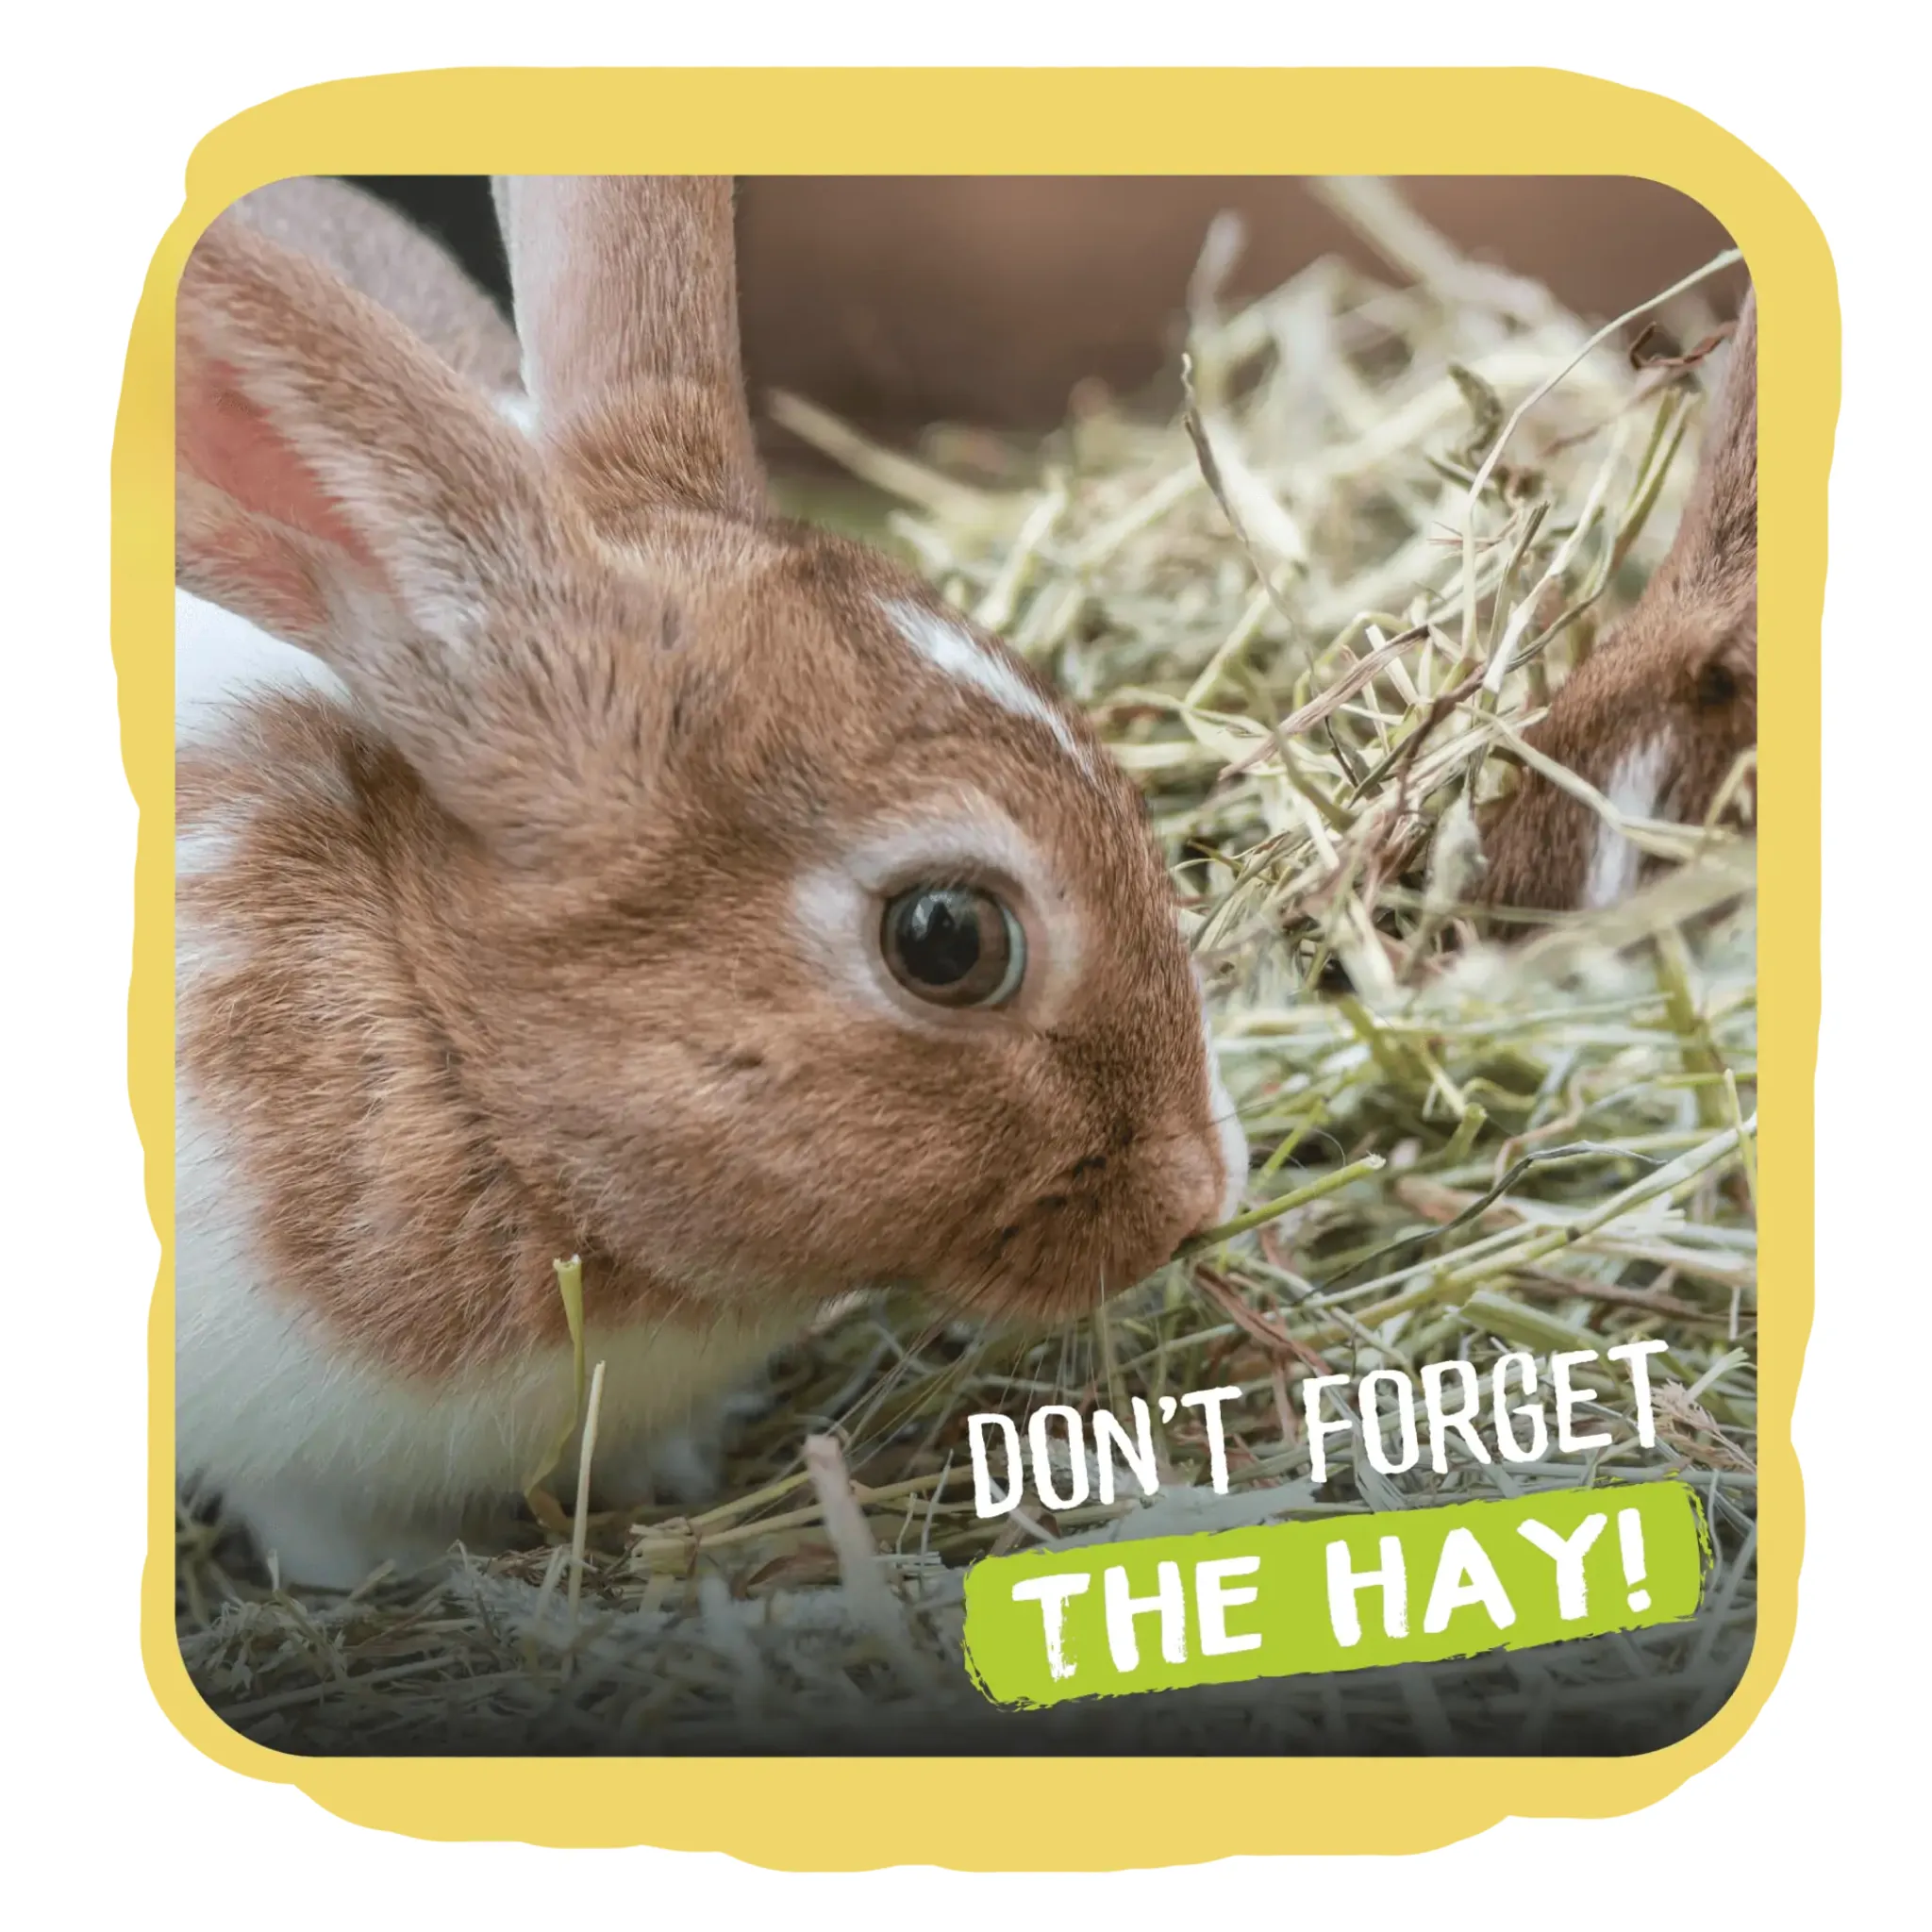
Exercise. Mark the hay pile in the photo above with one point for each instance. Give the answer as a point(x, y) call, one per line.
point(1307, 611)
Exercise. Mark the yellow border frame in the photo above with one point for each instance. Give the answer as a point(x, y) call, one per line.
point(849, 1814)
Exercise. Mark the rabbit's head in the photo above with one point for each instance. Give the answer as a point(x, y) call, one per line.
point(1658, 716)
point(779, 922)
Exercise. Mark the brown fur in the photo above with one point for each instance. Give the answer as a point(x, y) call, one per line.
point(1684, 664)
point(635, 365)
point(512, 968)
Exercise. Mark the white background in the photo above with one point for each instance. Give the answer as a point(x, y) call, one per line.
point(1815, 1805)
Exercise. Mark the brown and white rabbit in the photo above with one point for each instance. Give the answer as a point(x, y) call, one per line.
point(1659, 715)
point(574, 860)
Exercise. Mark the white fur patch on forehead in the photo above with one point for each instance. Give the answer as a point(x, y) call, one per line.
point(1634, 790)
point(952, 648)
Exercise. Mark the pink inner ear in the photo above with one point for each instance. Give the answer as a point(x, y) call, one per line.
point(257, 568)
point(225, 440)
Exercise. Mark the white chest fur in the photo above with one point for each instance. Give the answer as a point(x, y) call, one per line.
point(338, 1465)
point(220, 659)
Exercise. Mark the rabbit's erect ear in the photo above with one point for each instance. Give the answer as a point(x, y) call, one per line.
point(626, 292)
point(339, 486)
point(1720, 518)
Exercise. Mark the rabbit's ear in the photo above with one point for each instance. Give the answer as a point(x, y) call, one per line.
point(305, 403)
point(626, 292)
point(1719, 542)
point(375, 248)
point(339, 486)
point(256, 566)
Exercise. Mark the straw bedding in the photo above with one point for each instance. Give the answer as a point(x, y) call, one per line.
point(1279, 600)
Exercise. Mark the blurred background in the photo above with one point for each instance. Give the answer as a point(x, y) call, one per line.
point(897, 302)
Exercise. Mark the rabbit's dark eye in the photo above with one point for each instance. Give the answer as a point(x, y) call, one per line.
point(953, 946)
point(1717, 683)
